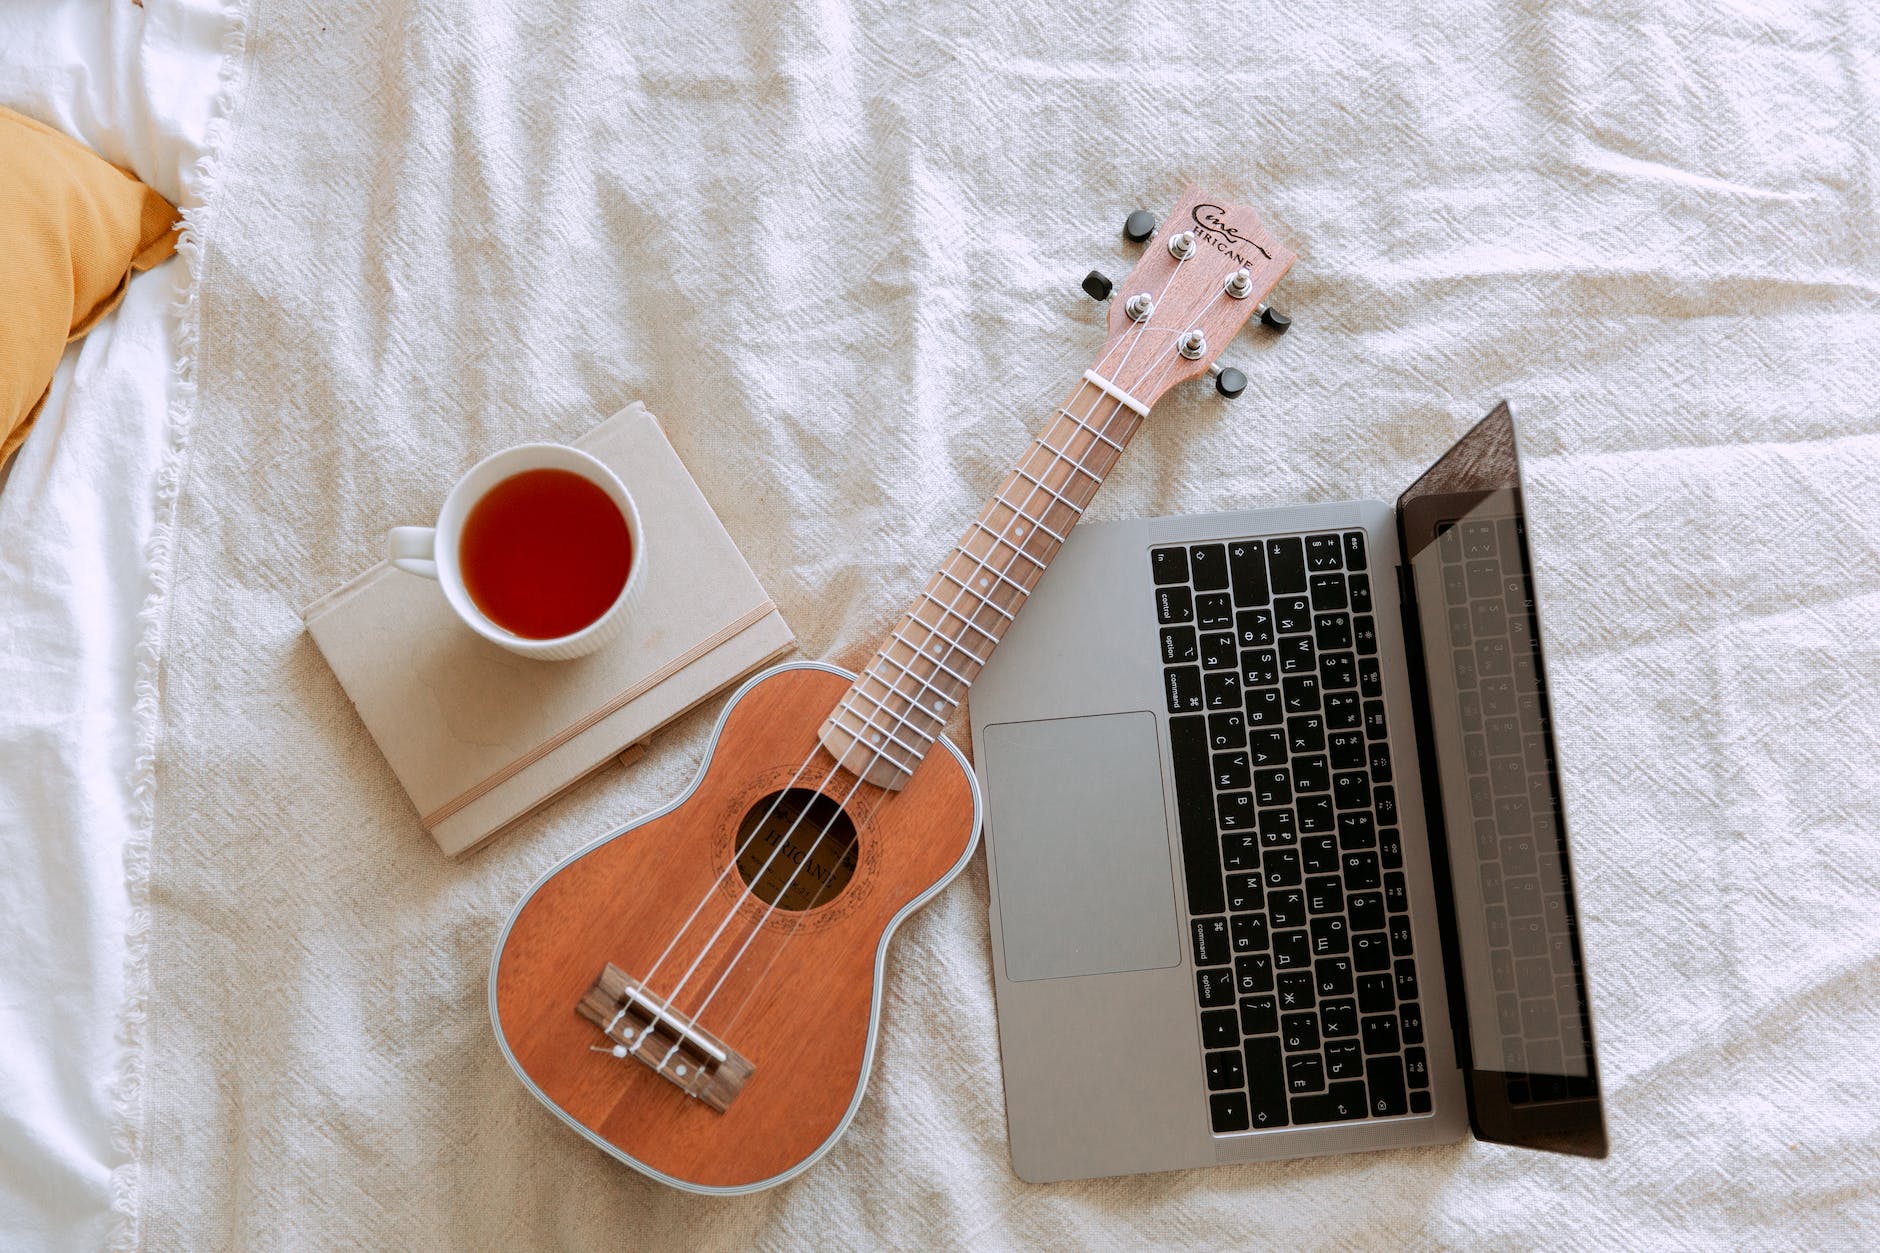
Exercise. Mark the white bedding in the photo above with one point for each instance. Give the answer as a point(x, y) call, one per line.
point(77, 517)
point(836, 246)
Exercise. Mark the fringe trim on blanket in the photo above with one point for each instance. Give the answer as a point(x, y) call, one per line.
point(127, 1098)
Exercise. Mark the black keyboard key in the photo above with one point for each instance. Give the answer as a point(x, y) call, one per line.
point(1364, 635)
point(1374, 719)
point(1344, 1059)
point(1240, 850)
point(1221, 689)
point(1400, 936)
point(1299, 1032)
point(1214, 611)
point(1246, 563)
point(1232, 770)
point(1227, 729)
point(1354, 550)
point(1247, 933)
point(1259, 1015)
point(1376, 993)
point(1194, 809)
point(1419, 1102)
point(1348, 750)
point(1352, 790)
point(1337, 671)
point(1296, 991)
point(1302, 693)
point(1406, 972)
point(1416, 1068)
point(1305, 1073)
point(1318, 854)
point(1380, 764)
point(1227, 1112)
point(1342, 711)
point(1296, 655)
point(1182, 686)
point(1370, 678)
point(1208, 937)
point(1380, 1034)
point(1292, 615)
point(1324, 895)
point(1266, 1082)
point(1338, 1019)
point(1178, 646)
point(1286, 565)
point(1311, 774)
point(1276, 827)
point(1281, 866)
point(1220, 1029)
point(1360, 588)
point(1329, 937)
point(1328, 592)
point(1370, 950)
point(1306, 733)
point(1366, 911)
point(1384, 1077)
point(1268, 747)
point(1331, 630)
point(1254, 627)
point(1334, 976)
point(1273, 787)
point(1244, 894)
point(1217, 651)
point(1253, 974)
point(1225, 1070)
point(1174, 604)
point(1340, 1102)
point(1170, 565)
point(1214, 987)
point(1259, 667)
point(1264, 708)
point(1396, 893)
point(1233, 811)
point(1207, 567)
point(1315, 814)
point(1292, 950)
point(1361, 871)
point(1322, 552)
point(1287, 909)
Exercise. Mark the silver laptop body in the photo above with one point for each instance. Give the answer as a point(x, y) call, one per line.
point(1112, 986)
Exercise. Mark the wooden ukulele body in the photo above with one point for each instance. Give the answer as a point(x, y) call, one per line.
point(800, 1003)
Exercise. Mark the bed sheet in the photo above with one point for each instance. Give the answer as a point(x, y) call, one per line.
point(78, 513)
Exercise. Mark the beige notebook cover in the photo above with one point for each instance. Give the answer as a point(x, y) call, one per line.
point(480, 736)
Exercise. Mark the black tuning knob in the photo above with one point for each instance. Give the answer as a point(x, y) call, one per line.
point(1096, 286)
point(1138, 226)
point(1229, 382)
point(1275, 319)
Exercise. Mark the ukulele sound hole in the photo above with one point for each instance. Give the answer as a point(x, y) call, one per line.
point(817, 853)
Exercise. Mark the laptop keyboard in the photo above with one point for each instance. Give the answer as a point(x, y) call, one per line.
point(1305, 978)
point(1528, 907)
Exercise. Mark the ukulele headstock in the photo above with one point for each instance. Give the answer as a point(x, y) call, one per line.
point(1206, 271)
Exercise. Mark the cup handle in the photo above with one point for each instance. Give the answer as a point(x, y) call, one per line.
point(413, 549)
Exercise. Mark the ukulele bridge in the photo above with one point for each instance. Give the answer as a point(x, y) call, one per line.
point(694, 1060)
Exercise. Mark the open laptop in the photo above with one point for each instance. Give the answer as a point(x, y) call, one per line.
point(1275, 837)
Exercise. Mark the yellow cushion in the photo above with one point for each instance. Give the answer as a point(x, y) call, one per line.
point(72, 228)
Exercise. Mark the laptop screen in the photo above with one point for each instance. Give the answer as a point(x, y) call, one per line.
point(1528, 1047)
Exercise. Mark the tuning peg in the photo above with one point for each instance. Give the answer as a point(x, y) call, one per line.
point(1273, 318)
point(1097, 286)
point(1139, 226)
point(1227, 380)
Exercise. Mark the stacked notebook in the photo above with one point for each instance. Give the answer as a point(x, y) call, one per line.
point(479, 736)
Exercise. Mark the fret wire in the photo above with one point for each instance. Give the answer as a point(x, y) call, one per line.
point(1093, 430)
point(984, 600)
point(1075, 463)
point(982, 561)
point(947, 611)
point(935, 635)
point(875, 739)
point(1020, 513)
point(926, 682)
point(858, 690)
point(900, 718)
point(1041, 485)
point(894, 686)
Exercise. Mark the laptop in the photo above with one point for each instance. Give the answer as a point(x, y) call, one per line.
point(1274, 831)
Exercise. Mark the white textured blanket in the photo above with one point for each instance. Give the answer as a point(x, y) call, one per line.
point(836, 248)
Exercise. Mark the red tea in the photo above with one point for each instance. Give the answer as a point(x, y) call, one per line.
point(544, 553)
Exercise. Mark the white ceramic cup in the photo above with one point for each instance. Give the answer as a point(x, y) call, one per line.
point(432, 551)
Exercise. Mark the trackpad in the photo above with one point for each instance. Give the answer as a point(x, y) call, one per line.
point(1079, 842)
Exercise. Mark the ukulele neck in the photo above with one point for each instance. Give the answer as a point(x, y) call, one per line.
point(894, 712)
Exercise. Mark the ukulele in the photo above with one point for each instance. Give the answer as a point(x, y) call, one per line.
point(698, 992)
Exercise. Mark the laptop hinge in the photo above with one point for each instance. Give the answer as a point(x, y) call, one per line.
point(1433, 819)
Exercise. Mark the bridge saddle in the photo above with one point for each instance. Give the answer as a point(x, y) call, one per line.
point(701, 1065)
